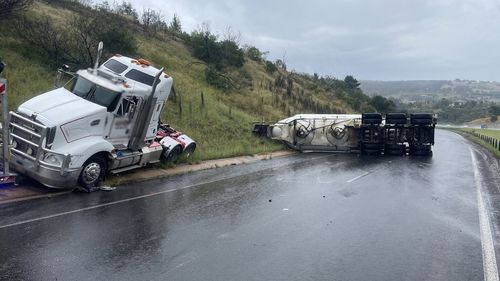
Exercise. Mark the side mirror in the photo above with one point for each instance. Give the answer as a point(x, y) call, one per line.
point(64, 69)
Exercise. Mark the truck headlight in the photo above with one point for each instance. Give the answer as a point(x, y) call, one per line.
point(52, 158)
point(29, 151)
point(14, 144)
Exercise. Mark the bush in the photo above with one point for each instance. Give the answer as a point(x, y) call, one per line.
point(232, 55)
point(205, 47)
point(254, 54)
point(8, 7)
point(215, 79)
point(77, 44)
point(220, 54)
point(271, 67)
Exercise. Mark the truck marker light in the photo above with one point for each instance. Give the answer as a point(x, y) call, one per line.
point(144, 62)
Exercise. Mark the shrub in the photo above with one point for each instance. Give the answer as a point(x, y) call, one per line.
point(271, 67)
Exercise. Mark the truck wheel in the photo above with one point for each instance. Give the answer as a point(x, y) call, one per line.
point(189, 149)
point(92, 172)
point(172, 156)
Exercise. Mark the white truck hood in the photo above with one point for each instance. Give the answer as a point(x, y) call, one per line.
point(58, 107)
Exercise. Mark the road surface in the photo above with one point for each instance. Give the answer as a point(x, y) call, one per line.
point(301, 217)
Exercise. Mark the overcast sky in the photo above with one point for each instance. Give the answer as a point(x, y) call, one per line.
point(370, 39)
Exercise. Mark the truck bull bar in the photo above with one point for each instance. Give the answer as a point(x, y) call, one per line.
point(29, 135)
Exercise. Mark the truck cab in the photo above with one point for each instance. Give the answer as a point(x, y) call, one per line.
point(108, 120)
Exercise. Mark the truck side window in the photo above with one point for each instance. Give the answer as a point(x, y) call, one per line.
point(124, 106)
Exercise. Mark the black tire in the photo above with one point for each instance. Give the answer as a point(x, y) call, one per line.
point(371, 118)
point(371, 121)
point(172, 156)
point(189, 150)
point(421, 121)
point(395, 121)
point(395, 116)
point(372, 115)
point(93, 171)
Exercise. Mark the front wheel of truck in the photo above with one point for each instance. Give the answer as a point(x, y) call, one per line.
point(92, 172)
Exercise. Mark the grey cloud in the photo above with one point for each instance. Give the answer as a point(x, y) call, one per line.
point(381, 39)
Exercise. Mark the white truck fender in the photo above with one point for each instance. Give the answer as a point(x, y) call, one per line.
point(168, 143)
point(83, 149)
point(186, 140)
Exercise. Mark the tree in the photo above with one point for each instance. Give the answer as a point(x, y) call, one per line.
point(382, 104)
point(126, 9)
point(8, 7)
point(85, 37)
point(205, 47)
point(76, 43)
point(254, 54)
point(494, 111)
point(351, 82)
point(152, 22)
point(270, 67)
point(232, 55)
point(175, 24)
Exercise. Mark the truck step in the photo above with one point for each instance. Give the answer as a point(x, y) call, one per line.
point(119, 170)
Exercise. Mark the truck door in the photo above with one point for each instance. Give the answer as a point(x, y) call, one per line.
point(122, 120)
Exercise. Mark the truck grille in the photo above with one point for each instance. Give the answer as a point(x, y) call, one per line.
point(27, 136)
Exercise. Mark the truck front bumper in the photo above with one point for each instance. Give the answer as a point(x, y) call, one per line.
point(45, 175)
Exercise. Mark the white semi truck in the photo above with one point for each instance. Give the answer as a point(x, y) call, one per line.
point(367, 133)
point(108, 121)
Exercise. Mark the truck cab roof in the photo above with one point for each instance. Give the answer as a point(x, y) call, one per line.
point(137, 74)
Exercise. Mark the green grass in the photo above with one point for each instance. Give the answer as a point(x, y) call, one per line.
point(474, 135)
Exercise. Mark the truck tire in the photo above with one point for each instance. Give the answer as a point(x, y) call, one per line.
point(371, 118)
point(189, 150)
point(421, 119)
point(395, 119)
point(171, 156)
point(92, 172)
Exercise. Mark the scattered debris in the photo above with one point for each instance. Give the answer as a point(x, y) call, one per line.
point(107, 188)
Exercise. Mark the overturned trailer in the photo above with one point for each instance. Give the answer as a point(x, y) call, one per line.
point(367, 133)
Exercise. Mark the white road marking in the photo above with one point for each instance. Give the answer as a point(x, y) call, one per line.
point(106, 204)
point(489, 260)
point(358, 177)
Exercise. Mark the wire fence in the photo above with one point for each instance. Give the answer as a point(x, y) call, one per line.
point(492, 141)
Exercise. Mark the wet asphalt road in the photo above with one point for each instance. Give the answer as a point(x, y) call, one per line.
point(302, 217)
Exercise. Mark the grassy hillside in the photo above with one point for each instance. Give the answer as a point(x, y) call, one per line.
point(220, 120)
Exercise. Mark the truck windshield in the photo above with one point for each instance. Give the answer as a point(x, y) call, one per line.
point(96, 94)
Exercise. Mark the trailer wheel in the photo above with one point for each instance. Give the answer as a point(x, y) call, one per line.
point(421, 119)
point(172, 155)
point(189, 150)
point(92, 172)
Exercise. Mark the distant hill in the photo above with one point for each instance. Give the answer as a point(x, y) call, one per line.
point(419, 90)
